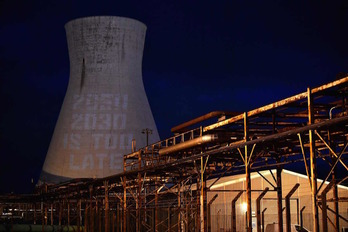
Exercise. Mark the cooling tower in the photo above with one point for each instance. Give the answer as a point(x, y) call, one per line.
point(105, 105)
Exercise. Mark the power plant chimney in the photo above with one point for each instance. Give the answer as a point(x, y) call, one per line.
point(105, 106)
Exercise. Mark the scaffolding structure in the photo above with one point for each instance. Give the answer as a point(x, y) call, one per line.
point(164, 185)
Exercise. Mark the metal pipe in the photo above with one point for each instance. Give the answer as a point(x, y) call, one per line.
point(183, 127)
point(189, 144)
point(275, 104)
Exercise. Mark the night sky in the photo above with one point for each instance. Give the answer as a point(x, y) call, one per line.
point(199, 56)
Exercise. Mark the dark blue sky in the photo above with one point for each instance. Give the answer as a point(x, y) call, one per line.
point(199, 56)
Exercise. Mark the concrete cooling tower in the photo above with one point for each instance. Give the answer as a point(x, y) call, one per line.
point(105, 105)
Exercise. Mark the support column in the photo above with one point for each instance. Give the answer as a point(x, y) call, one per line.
point(258, 209)
point(68, 212)
point(324, 205)
point(198, 216)
point(313, 164)
point(301, 216)
point(179, 207)
point(247, 175)
point(156, 212)
point(208, 212)
point(335, 190)
point(336, 208)
point(34, 213)
point(263, 219)
point(91, 211)
point(78, 211)
point(51, 214)
point(287, 207)
point(203, 197)
point(60, 213)
point(233, 212)
point(106, 206)
point(46, 214)
point(113, 221)
point(138, 196)
point(280, 199)
point(118, 218)
point(100, 213)
point(86, 217)
point(124, 228)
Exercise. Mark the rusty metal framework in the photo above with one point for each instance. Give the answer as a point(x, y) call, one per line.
point(164, 185)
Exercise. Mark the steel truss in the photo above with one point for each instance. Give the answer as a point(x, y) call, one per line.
point(164, 185)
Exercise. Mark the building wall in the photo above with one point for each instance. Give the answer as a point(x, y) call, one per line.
point(221, 207)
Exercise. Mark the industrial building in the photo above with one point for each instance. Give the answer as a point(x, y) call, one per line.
point(226, 189)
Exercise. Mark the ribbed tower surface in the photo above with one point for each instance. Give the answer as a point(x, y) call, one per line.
point(105, 105)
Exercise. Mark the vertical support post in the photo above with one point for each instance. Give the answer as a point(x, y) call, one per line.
point(51, 219)
point(138, 196)
point(233, 212)
point(100, 213)
point(298, 211)
point(287, 207)
point(124, 228)
point(335, 190)
point(68, 213)
point(258, 209)
point(78, 211)
point(324, 211)
point(106, 207)
point(280, 199)
point(202, 198)
point(324, 205)
point(301, 216)
point(179, 206)
point(26, 212)
point(313, 164)
point(156, 212)
point(42, 215)
point(60, 213)
point(247, 175)
point(113, 221)
point(263, 219)
point(208, 212)
point(118, 218)
point(86, 217)
point(336, 208)
point(91, 211)
point(46, 214)
point(34, 213)
point(198, 216)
